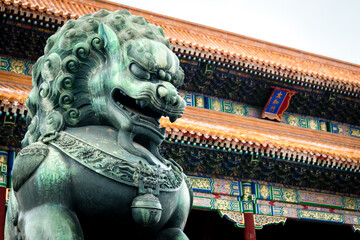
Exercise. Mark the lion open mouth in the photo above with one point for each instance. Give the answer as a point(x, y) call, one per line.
point(144, 117)
point(137, 109)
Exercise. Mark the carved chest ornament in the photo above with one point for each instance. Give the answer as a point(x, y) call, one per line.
point(147, 178)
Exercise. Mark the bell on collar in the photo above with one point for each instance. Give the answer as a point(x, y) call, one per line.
point(146, 210)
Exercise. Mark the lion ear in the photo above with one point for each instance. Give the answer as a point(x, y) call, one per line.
point(112, 43)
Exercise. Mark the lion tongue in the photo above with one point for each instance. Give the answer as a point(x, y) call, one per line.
point(135, 117)
point(145, 120)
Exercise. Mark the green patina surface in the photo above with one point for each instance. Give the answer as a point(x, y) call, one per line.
point(92, 145)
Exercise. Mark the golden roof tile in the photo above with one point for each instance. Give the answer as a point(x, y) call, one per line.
point(14, 88)
point(13, 93)
point(208, 123)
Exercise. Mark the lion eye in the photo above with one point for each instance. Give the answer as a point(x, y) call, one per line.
point(139, 71)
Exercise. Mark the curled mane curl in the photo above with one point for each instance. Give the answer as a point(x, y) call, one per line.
point(60, 95)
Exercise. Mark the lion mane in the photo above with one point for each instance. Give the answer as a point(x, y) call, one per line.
point(60, 95)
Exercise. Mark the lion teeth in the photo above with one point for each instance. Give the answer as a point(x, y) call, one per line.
point(143, 103)
point(122, 92)
point(119, 104)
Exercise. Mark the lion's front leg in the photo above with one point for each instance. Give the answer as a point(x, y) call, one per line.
point(176, 224)
point(51, 222)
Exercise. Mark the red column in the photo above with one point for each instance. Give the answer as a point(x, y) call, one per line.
point(2, 211)
point(249, 231)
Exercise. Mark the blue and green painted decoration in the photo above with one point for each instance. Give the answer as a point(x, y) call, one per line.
point(240, 109)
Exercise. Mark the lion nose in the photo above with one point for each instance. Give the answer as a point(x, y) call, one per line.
point(168, 96)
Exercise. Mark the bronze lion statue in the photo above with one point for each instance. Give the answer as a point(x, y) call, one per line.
point(90, 167)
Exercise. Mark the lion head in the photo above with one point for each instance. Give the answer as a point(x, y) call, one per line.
point(108, 68)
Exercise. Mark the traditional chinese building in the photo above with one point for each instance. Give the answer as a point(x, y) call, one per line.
point(270, 134)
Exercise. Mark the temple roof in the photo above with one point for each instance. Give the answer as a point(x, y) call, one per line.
point(14, 88)
point(265, 136)
point(235, 132)
point(217, 45)
point(210, 44)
